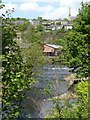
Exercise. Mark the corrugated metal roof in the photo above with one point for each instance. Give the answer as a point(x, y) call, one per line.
point(54, 46)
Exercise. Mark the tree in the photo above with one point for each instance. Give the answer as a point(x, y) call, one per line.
point(58, 23)
point(14, 77)
point(66, 19)
point(77, 54)
point(78, 43)
point(23, 26)
point(18, 65)
point(33, 58)
point(40, 27)
point(40, 19)
point(29, 35)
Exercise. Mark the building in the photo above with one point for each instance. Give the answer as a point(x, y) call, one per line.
point(34, 22)
point(19, 22)
point(70, 17)
point(68, 27)
point(55, 27)
point(64, 22)
point(51, 49)
point(69, 14)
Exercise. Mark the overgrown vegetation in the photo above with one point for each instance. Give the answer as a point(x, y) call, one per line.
point(77, 109)
point(78, 43)
point(17, 65)
point(76, 55)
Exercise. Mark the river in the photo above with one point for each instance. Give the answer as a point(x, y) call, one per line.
point(50, 83)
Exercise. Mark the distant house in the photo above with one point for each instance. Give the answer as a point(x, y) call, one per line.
point(34, 22)
point(64, 22)
point(51, 49)
point(59, 27)
point(56, 21)
point(19, 22)
point(68, 27)
point(51, 27)
point(55, 27)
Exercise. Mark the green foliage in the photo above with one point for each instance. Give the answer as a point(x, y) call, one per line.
point(76, 55)
point(40, 28)
point(82, 23)
point(78, 42)
point(23, 27)
point(21, 24)
point(33, 58)
point(82, 90)
point(31, 35)
point(58, 23)
point(18, 66)
point(77, 109)
point(66, 19)
point(40, 19)
point(14, 78)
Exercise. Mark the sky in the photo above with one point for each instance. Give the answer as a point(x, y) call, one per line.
point(46, 9)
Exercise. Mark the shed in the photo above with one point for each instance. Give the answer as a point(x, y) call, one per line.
point(51, 49)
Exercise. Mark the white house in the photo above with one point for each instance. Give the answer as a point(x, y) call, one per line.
point(55, 27)
point(68, 27)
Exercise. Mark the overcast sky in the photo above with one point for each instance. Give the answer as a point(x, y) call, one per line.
point(47, 9)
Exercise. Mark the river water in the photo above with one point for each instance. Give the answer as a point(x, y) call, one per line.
point(50, 83)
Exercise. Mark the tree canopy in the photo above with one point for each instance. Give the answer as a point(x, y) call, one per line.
point(78, 42)
point(76, 56)
point(17, 69)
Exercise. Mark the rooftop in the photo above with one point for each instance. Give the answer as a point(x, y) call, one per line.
point(54, 46)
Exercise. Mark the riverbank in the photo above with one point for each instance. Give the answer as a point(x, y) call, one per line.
point(70, 78)
point(50, 84)
point(66, 96)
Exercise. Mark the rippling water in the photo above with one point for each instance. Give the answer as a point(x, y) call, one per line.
point(50, 83)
